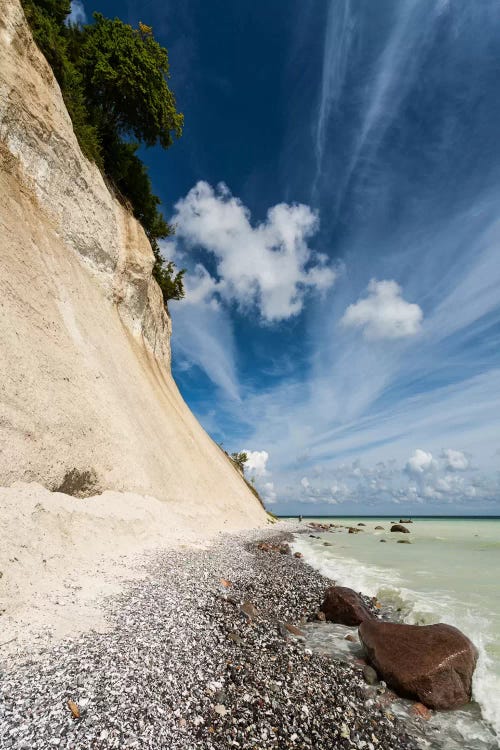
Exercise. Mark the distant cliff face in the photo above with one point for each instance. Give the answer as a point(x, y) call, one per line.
point(86, 397)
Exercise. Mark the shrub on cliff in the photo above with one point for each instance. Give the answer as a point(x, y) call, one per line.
point(240, 460)
point(170, 281)
point(114, 83)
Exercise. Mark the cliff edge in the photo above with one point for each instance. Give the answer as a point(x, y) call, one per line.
point(100, 458)
point(87, 400)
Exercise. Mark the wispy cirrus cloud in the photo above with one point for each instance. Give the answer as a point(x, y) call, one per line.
point(339, 37)
point(204, 337)
point(399, 374)
point(385, 402)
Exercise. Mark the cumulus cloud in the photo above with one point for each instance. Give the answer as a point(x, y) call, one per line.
point(422, 479)
point(420, 463)
point(438, 479)
point(257, 462)
point(383, 313)
point(267, 265)
point(256, 465)
point(77, 13)
point(455, 460)
point(268, 493)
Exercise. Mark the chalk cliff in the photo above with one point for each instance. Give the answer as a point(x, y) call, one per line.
point(87, 400)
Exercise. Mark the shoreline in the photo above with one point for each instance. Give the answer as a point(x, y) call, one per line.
point(402, 599)
point(185, 665)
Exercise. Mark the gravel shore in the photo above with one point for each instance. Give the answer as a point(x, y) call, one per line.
point(199, 656)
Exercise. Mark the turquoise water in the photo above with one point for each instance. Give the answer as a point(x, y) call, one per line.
point(449, 573)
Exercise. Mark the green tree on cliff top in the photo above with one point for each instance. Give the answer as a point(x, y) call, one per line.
point(114, 80)
point(125, 72)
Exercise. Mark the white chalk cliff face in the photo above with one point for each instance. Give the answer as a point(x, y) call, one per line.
point(87, 401)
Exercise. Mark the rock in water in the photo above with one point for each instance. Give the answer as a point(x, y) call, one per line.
point(344, 606)
point(399, 527)
point(433, 663)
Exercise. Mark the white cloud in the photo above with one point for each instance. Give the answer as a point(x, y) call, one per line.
point(257, 462)
point(77, 13)
point(438, 480)
point(420, 463)
point(384, 314)
point(256, 465)
point(268, 265)
point(200, 287)
point(422, 480)
point(354, 402)
point(455, 460)
point(444, 390)
point(268, 493)
point(203, 337)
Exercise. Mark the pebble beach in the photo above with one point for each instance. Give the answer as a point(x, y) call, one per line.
point(206, 651)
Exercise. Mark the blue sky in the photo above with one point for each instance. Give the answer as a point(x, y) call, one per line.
point(336, 195)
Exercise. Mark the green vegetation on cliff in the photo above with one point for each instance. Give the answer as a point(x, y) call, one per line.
point(240, 460)
point(113, 80)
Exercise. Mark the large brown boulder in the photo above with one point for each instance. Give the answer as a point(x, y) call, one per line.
point(433, 663)
point(344, 606)
point(401, 528)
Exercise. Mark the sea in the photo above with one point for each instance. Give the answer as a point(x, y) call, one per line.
point(449, 573)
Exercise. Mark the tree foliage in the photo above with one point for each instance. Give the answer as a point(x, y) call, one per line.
point(169, 281)
point(240, 460)
point(114, 82)
point(125, 72)
point(57, 10)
